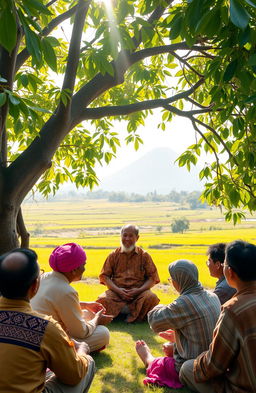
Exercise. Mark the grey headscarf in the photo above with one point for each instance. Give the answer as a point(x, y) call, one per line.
point(185, 273)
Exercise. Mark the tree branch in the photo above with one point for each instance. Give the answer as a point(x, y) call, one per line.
point(183, 61)
point(7, 67)
point(121, 110)
point(211, 146)
point(22, 231)
point(193, 102)
point(24, 54)
point(73, 58)
point(158, 50)
point(74, 48)
point(156, 15)
point(51, 3)
point(189, 114)
point(219, 138)
point(26, 170)
point(99, 84)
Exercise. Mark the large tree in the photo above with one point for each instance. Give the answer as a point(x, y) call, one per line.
point(123, 59)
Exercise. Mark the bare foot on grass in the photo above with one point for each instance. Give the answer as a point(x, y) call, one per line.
point(144, 352)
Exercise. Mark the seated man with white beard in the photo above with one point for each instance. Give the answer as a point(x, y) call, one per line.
point(129, 273)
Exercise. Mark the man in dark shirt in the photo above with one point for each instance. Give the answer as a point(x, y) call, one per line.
point(216, 256)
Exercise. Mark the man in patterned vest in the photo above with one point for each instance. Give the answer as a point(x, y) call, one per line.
point(33, 345)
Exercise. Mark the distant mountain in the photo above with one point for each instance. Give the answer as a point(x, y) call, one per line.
point(155, 171)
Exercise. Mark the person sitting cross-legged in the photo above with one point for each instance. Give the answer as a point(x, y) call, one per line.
point(229, 364)
point(192, 316)
point(129, 273)
point(56, 297)
point(31, 342)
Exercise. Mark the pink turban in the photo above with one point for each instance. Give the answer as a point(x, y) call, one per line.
point(67, 257)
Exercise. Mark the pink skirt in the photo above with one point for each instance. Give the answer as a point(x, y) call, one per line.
point(162, 372)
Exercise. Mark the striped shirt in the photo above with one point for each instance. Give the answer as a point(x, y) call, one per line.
point(193, 317)
point(231, 356)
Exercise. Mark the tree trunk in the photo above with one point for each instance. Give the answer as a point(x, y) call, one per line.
point(8, 227)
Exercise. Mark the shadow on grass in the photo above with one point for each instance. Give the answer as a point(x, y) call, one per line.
point(114, 382)
point(138, 331)
point(116, 376)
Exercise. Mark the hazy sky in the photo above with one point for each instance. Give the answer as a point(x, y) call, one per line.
point(179, 134)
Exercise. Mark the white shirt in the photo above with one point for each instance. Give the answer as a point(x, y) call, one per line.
point(57, 298)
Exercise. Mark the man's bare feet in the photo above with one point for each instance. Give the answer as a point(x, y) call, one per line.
point(144, 352)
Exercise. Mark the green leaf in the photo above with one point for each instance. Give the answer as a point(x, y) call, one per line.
point(13, 99)
point(230, 71)
point(238, 14)
point(251, 2)
point(252, 60)
point(245, 36)
point(33, 44)
point(2, 99)
point(49, 54)
point(36, 5)
point(194, 13)
point(39, 109)
point(8, 28)
point(250, 99)
point(176, 26)
point(24, 80)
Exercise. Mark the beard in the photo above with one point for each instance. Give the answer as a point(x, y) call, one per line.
point(127, 249)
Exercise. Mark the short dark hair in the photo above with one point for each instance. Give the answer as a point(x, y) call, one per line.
point(241, 257)
point(217, 252)
point(15, 284)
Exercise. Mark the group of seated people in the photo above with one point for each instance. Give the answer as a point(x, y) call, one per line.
point(47, 334)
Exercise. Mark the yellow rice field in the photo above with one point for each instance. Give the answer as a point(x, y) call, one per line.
point(96, 226)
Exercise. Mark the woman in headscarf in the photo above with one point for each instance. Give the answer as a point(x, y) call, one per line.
point(192, 317)
point(56, 297)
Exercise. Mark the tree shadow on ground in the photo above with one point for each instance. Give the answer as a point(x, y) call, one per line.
point(138, 331)
point(102, 359)
point(113, 381)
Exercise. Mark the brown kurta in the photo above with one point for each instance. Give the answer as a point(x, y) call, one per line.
point(129, 271)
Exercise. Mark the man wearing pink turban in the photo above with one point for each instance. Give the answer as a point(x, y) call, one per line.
point(56, 297)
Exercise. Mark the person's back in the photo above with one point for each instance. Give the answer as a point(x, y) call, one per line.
point(187, 323)
point(199, 320)
point(56, 297)
point(50, 298)
point(229, 363)
point(30, 342)
point(240, 322)
point(193, 317)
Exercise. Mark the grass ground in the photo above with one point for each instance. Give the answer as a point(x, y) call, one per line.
point(119, 369)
